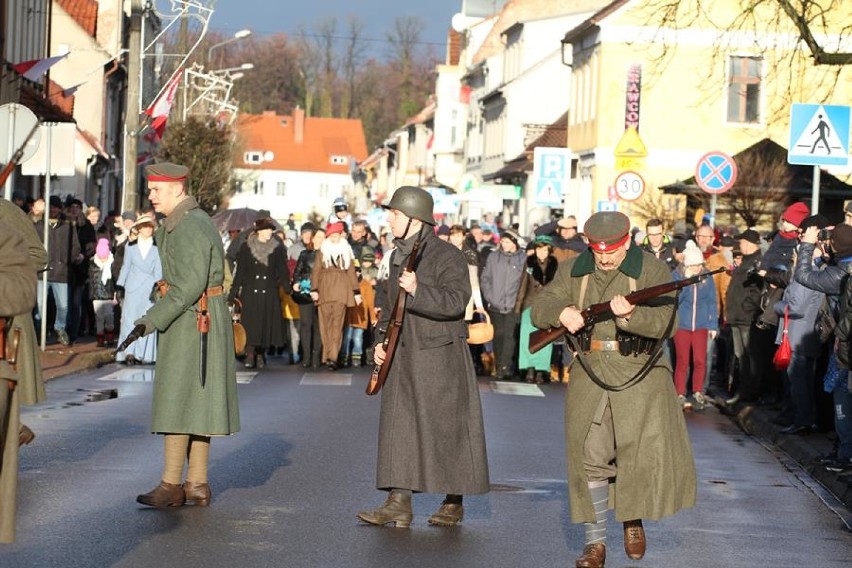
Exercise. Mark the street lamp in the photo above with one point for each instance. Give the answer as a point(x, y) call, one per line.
point(243, 67)
point(237, 36)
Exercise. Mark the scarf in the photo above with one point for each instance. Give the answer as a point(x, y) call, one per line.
point(261, 251)
point(337, 255)
point(105, 264)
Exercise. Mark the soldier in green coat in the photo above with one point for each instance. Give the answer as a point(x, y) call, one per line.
point(195, 390)
point(650, 472)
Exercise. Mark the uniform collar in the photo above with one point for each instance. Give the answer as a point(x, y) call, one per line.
point(631, 265)
point(179, 211)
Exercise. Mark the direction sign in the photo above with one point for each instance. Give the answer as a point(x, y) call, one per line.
point(629, 185)
point(716, 172)
point(819, 135)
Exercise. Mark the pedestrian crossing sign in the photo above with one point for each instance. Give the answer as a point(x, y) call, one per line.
point(549, 193)
point(819, 135)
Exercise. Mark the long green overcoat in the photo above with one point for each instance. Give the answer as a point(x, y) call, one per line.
point(193, 259)
point(27, 371)
point(655, 467)
point(431, 435)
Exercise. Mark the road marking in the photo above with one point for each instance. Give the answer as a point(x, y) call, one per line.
point(245, 377)
point(134, 375)
point(327, 379)
point(516, 389)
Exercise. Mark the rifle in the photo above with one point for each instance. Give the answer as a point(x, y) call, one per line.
point(16, 157)
point(135, 334)
point(597, 312)
point(380, 372)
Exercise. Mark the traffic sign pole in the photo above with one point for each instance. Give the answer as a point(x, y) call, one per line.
point(815, 192)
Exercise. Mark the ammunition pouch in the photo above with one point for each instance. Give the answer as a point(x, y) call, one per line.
point(628, 343)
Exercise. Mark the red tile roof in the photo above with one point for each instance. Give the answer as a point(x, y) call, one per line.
point(323, 138)
point(84, 12)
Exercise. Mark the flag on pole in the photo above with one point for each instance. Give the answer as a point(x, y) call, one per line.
point(34, 69)
point(160, 108)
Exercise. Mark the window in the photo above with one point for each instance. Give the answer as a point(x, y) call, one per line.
point(281, 189)
point(253, 158)
point(339, 160)
point(744, 90)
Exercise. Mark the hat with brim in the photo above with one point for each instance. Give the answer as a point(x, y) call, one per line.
point(607, 231)
point(144, 220)
point(166, 171)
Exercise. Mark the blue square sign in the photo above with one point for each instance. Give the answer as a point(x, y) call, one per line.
point(819, 135)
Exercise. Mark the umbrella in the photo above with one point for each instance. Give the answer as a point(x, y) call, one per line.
point(237, 219)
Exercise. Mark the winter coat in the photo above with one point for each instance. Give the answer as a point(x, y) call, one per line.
point(802, 306)
point(302, 276)
point(138, 276)
point(193, 260)
point(830, 279)
point(98, 289)
point(63, 248)
point(742, 302)
point(431, 435)
point(17, 298)
point(536, 276)
point(501, 279)
point(780, 253)
point(334, 284)
point(261, 268)
point(666, 252)
point(360, 316)
point(716, 259)
point(696, 305)
point(656, 471)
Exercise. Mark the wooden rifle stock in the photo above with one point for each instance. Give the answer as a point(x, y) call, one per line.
point(596, 312)
point(380, 372)
point(16, 157)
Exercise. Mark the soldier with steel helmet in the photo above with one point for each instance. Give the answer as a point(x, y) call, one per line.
point(650, 472)
point(431, 436)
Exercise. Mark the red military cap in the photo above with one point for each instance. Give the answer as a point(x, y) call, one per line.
point(607, 230)
point(166, 171)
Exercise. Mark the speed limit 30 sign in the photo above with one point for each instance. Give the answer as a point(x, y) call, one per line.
point(629, 185)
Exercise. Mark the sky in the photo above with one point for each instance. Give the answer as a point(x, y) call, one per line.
point(266, 17)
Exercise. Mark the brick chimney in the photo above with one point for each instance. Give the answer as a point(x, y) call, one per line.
point(298, 124)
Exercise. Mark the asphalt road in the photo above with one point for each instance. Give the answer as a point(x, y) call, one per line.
point(286, 488)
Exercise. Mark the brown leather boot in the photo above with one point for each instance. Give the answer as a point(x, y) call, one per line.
point(25, 435)
point(197, 493)
point(449, 515)
point(396, 509)
point(634, 539)
point(594, 556)
point(163, 495)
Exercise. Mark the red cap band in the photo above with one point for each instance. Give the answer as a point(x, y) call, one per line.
point(603, 247)
point(157, 177)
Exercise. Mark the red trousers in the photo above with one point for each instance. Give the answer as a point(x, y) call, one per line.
point(695, 343)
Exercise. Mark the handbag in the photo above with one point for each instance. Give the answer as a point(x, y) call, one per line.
point(239, 330)
point(482, 331)
point(784, 353)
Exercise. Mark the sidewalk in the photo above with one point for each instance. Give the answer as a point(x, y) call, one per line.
point(58, 360)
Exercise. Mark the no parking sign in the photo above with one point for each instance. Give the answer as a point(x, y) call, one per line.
point(716, 172)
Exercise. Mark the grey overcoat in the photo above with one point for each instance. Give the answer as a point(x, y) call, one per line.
point(193, 260)
point(431, 435)
point(656, 471)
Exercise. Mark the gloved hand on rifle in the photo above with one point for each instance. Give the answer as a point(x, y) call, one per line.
point(149, 326)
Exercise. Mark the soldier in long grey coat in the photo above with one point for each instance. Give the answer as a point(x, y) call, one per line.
point(431, 436)
point(650, 472)
point(195, 391)
point(26, 374)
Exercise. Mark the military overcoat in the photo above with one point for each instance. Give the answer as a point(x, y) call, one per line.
point(431, 435)
point(656, 471)
point(193, 259)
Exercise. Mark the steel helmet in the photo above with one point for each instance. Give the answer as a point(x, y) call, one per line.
point(415, 202)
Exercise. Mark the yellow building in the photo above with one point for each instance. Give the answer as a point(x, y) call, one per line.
point(695, 81)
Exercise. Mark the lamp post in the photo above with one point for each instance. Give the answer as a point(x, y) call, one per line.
point(237, 36)
point(243, 67)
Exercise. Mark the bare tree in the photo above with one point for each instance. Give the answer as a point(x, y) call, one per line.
point(351, 61)
point(762, 185)
point(655, 204)
point(403, 41)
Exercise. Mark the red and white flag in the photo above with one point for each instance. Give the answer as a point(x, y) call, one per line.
point(36, 68)
point(160, 108)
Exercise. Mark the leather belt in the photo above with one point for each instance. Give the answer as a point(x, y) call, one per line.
point(598, 345)
point(215, 291)
point(163, 287)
